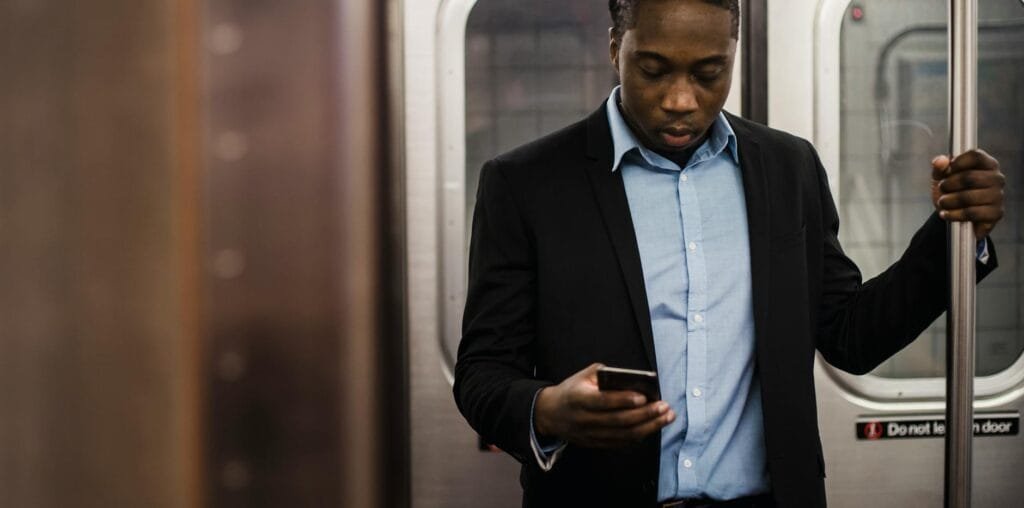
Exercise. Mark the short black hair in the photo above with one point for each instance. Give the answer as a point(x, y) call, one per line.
point(623, 19)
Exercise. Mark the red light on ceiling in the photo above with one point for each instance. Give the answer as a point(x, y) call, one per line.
point(857, 13)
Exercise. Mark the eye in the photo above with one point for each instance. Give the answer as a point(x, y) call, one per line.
point(651, 73)
point(708, 76)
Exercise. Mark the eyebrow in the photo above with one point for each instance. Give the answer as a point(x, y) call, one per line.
point(711, 60)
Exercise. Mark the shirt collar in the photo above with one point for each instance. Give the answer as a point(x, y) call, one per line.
point(624, 141)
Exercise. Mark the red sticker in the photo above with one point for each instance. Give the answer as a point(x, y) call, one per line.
point(873, 430)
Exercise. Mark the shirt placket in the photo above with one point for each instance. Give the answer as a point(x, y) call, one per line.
point(696, 326)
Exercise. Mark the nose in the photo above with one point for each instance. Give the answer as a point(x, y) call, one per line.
point(680, 98)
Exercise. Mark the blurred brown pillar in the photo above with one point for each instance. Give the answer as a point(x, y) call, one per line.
point(302, 326)
point(374, 395)
point(200, 300)
point(98, 348)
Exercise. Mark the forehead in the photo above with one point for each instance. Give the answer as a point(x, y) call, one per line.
point(679, 25)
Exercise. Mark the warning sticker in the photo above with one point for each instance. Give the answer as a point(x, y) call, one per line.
point(873, 428)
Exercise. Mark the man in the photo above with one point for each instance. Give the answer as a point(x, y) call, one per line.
point(661, 233)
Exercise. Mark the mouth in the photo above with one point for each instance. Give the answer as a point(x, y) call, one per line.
point(676, 137)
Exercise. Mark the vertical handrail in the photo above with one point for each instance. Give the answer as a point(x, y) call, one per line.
point(963, 58)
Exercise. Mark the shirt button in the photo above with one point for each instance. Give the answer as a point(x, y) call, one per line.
point(698, 318)
point(687, 463)
point(697, 392)
point(692, 246)
point(683, 178)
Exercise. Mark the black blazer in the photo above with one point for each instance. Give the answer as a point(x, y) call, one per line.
point(555, 284)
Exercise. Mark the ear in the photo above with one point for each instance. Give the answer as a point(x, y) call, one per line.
point(613, 49)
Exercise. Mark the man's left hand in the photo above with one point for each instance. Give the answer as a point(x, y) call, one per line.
point(969, 188)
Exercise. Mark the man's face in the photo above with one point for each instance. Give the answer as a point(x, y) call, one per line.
point(675, 67)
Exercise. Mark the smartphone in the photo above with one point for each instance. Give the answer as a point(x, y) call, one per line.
point(642, 381)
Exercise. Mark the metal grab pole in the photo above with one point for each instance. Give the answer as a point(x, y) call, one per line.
point(963, 79)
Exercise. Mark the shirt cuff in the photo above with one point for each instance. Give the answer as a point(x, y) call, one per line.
point(546, 453)
point(982, 253)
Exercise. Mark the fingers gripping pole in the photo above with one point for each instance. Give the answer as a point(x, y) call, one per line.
point(963, 57)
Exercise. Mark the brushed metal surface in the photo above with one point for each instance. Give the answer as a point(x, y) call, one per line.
point(909, 473)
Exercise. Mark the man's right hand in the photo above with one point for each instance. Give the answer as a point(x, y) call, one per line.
point(576, 412)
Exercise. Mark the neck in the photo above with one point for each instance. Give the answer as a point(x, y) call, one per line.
point(682, 157)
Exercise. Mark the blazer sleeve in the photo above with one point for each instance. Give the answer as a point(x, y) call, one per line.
point(860, 325)
point(494, 382)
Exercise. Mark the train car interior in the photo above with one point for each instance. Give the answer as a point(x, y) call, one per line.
point(235, 239)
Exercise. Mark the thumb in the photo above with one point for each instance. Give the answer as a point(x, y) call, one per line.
point(590, 373)
point(940, 167)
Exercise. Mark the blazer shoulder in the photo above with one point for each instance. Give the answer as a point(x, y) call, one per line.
point(769, 138)
point(554, 150)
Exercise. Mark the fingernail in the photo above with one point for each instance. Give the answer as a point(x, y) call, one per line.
point(662, 407)
point(671, 417)
point(943, 214)
point(638, 400)
point(936, 159)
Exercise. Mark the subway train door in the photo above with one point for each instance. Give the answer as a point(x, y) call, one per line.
point(866, 81)
point(481, 77)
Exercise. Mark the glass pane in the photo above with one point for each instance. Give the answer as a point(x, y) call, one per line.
point(893, 121)
point(532, 67)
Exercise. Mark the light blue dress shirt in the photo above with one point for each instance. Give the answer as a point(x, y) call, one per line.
point(691, 230)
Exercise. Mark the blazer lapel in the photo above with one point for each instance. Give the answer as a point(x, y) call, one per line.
point(755, 189)
point(611, 199)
